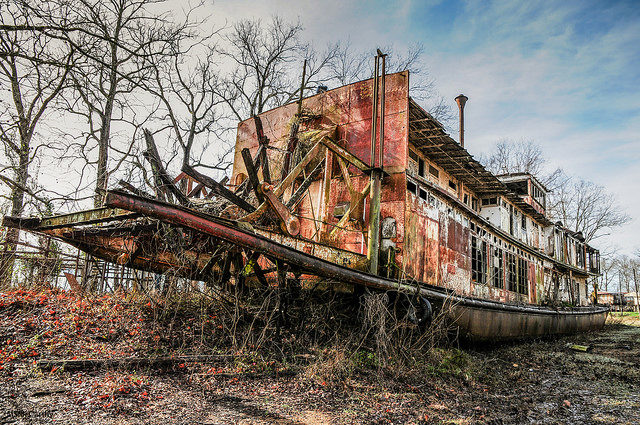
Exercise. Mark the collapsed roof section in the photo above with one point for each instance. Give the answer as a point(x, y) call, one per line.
point(429, 136)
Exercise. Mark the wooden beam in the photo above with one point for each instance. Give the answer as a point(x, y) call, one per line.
point(196, 190)
point(131, 188)
point(154, 159)
point(344, 169)
point(354, 205)
point(218, 189)
point(254, 182)
point(345, 154)
point(288, 181)
point(299, 193)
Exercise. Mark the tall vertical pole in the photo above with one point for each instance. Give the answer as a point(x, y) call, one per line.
point(374, 114)
point(376, 174)
point(382, 108)
point(635, 283)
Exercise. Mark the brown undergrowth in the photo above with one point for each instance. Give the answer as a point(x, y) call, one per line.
point(324, 337)
point(333, 362)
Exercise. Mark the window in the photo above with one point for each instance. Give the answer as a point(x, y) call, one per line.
point(489, 201)
point(478, 260)
point(452, 185)
point(511, 219)
point(413, 155)
point(497, 268)
point(434, 171)
point(524, 222)
point(423, 194)
point(538, 194)
point(421, 167)
point(511, 271)
point(523, 284)
point(411, 187)
point(474, 203)
point(465, 199)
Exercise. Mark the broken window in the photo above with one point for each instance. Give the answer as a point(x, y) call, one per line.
point(511, 219)
point(474, 203)
point(411, 187)
point(452, 185)
point(497, 268)
point(538, 194)
point(489, 201)
point(478, 260)
point(434, 171)
point(423, 194)
point(511, 271)
point(524, 222)
point(465, 199)
point(523, 284)
point(421, 167)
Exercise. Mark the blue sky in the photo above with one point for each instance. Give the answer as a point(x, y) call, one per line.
point(564, 74)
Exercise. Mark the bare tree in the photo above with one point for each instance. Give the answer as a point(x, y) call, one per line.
point(607, 270)
point(186, 85)
point(112, 40)
point(586, 207)
point(261, 57)
point(350, 65)
point(33, 73)
point(523, 156)
point(627, 268)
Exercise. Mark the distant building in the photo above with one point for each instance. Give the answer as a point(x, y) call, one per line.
point(631, 298)
point(606, 297)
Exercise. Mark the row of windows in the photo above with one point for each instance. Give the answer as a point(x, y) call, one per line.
point(421, 193)
point(421, 165)
point(422, 170)
point(487, 267)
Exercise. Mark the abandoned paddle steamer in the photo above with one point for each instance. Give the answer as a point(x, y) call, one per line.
point(361, 186)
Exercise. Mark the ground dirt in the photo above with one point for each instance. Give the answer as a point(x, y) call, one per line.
point(542, 381)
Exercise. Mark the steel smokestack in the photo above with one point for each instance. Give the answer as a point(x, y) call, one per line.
point(461, 100)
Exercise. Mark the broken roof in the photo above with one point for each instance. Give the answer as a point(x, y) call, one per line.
point(429, 136)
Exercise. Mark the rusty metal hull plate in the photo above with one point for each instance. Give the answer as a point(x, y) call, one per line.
point(485, 324)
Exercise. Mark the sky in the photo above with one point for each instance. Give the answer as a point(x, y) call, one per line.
point(564, 74)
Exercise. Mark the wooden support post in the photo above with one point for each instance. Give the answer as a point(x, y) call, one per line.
point(254, 182)
point(154, 159)
point(373, 246)
point(326, 193)
point(75, 273)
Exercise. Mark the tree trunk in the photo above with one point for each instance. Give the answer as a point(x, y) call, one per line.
point(105, 130)
point(635, 283)
point(17, 208)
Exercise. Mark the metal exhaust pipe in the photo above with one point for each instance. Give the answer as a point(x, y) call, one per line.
point(461, 100)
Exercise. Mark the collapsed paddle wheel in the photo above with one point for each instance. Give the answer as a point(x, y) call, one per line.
point(300, 209)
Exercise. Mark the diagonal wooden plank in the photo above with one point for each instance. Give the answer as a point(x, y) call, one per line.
point(345, 218)
point(218, 188)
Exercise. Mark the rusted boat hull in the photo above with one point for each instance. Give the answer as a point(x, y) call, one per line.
point(486, 324)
